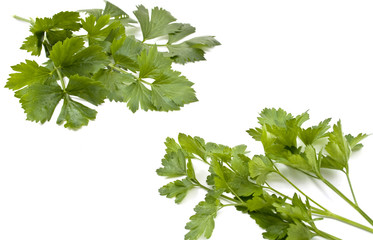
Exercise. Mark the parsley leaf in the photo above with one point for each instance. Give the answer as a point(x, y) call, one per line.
point(48, 31)
point(39, 101)
point(177, 189)
point(338, 148)
point(234, 179)
point(191, 50)
point(27, 73)
point(260, 166)
point(174, 165)
point(96, 56)
point(203, 222)
point(155, 25)
point(74, 114)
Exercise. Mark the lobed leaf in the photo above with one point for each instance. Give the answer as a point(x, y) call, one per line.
point(74, 114)
point(26, 74)
point(202, 223)
point(174, 165)
point(177, 189)
point(39, 101)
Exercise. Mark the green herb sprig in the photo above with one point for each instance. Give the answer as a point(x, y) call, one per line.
point(94, 55)
point(237, 180)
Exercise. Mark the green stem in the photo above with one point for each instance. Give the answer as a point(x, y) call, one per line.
point(208, 189)
point(275, 191)
point(117, 68)
point(350, 185)
point(123, 71)
point(294, 186)
point(328, 214)
point(23, 19)
point(143, 81)
point(60, 78)
point(324, 234)
point(352, 204)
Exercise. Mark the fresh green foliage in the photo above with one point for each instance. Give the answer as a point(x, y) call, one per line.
point(94, 55)
point(235, 179)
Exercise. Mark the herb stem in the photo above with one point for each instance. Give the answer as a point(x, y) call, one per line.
point(208, 189)
point(294, 186)
point(350, 185)
point(330, 215)
point(117, 68)
point(123, 71)
point(143, 81)
point(352, 204)
point(23, 19)
point(324, 234)
point(275, 191)
point(60, 78)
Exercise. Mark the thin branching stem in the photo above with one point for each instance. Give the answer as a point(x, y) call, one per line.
point(294, 186)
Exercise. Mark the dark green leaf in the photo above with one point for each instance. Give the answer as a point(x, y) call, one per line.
point(170, 91)
point(115, 83)
point(299, 231)
point(191, 50)
point(138, 95)
point(126, 51)
point(72, 58)
point(74, 114)
point(155, 26)
point(152, 63)
point(87, 89)
point(67, 20)
point(180, 31)
point(39, 101)
point(275, 226)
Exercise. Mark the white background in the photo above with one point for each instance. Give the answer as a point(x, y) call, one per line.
point(100, 182)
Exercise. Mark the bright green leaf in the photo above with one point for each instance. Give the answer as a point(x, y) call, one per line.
point(177, 189)
point(202, 223)
point(354, 142)
point(260, 166)
point(314, 133)
point(192, 145)
point(174, 165)
point(27, 73)
point(338, 148)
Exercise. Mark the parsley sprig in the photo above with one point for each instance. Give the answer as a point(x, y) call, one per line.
point(94, 55)
point(244, 182)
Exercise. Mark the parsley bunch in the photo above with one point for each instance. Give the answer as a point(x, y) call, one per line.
point(92, 56)
point(237, 180)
